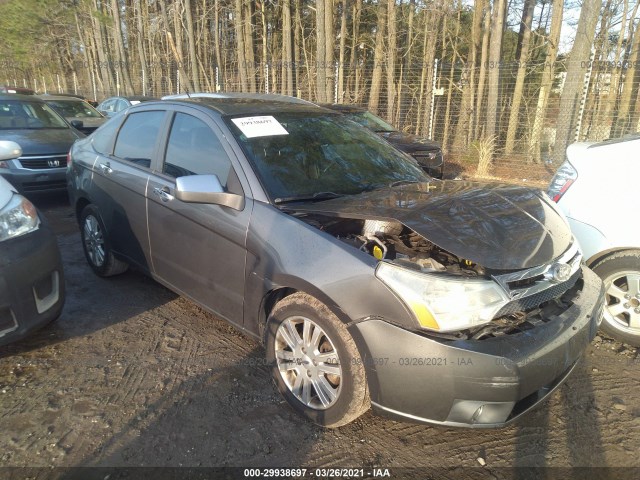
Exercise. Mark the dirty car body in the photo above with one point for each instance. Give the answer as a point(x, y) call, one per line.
point(467, 303)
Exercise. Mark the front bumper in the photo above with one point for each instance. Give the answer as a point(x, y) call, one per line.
point(475, 383)
point(31, 283)
point(33, 181)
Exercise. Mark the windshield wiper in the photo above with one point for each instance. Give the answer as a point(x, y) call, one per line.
point(308, 198)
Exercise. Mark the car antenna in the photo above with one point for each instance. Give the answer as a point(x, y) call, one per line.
point(178, 62)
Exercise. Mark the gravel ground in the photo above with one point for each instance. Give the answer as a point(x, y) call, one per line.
point(133, 375)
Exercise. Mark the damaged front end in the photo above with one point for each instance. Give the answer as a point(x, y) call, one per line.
point(451, 297)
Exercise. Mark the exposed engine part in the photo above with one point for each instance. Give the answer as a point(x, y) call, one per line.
point(374, 228)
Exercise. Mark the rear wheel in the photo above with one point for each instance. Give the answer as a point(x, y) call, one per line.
point(95, 242)
point(315, 363)
point(620, 273)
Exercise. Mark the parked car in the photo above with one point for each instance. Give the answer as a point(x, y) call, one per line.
point(45, 138)
point(370, 283)
point(599, 202)
point(18, 90)
point(76, 111)
point(113, 105)
point(427, 152)
point(31, 275)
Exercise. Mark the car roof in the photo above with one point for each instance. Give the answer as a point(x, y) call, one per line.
point(249, 104)
point(345, 108)
point(17, 96)
point(61, 97)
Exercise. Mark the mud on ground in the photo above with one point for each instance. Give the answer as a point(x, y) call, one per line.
point(133, 375)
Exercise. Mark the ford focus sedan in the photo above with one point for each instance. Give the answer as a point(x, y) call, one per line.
point(369, 282)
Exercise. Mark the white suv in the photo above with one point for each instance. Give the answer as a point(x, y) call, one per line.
point(597, 188)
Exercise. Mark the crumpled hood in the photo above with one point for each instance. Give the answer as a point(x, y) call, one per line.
point(500, 227)
point(45, 141)
point(409, 143)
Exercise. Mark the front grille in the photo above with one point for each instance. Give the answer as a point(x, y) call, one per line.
point(532, 301)
point(43, 162)
point(40, 186)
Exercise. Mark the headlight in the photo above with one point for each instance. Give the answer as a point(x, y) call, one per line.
point(443, 303)
point(17, 217)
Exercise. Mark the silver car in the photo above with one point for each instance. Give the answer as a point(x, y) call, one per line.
point(369, 282)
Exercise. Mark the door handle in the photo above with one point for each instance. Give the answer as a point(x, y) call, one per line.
point(106, 168)
point(163, 193)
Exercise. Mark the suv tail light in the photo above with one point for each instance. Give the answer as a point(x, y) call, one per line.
point(561, 181)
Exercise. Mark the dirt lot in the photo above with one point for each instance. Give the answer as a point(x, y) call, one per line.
point(133, 375)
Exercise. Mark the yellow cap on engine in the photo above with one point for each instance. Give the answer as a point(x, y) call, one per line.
point(377, 252)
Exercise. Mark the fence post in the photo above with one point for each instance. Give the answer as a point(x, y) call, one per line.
point(44, 84)
point(177, 80)
point(585, 92)
point(59, 86)
point(93, 85)
point(75, 83)
point(117, 84)
point(144, 89)
point(217, 80)
point(433, 97)
point(266, 78)
point(335, 84)
point(24, 81)
point(35, 84)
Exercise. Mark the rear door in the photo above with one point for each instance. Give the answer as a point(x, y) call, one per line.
point(198, 249)
point(120, 182)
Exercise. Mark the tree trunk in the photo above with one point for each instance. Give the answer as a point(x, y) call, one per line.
point(495, 53)
point(482, 75)
point(547, 79)
point(287, 51)
point(343, 42)
point(378, 54)
point(141, 52)
point(573, 85)
point(391, 58)
point(522, 59)
point(193, 58)
point(241, 48)
point(624, 121)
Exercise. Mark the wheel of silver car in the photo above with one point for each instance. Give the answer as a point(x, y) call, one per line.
point(620, 274)
point(96, 244)
point(315, 363)
point(308, 362)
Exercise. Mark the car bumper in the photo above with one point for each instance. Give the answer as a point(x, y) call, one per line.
point(31, 283)
point(476, 383)
point(28, 181)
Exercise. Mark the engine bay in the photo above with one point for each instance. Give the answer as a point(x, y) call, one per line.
point(391, 240)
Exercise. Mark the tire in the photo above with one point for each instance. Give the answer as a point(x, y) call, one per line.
point(95, 244)
point(312, 347)
point(620, 273)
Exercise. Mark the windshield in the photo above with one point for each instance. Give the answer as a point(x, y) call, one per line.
point(74, 108)
point(369, 120)
point(18, 114)
point(301, 155)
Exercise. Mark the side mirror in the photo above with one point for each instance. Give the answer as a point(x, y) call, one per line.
point(77, 124)
point(9, 150)
point(206, 189)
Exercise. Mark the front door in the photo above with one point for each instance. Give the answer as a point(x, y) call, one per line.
point(198, 249)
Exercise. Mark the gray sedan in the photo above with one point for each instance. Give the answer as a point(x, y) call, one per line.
point(370, 283)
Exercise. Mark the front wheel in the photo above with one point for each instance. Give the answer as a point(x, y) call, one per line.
point(95, 243)
point(620, 273)
point(315, 363)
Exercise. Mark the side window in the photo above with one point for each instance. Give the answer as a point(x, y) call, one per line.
point(107, 106)
point(194, 149)
point(102, 138)
point(120, 105)
point(137, 137)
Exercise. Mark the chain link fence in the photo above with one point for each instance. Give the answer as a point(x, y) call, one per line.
point(448, 102)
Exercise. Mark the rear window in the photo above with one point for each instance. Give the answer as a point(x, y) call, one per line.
point(137, 138)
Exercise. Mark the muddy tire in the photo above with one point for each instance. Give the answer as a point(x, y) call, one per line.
point(314, 362)
point(96, 246)
point(620, 273)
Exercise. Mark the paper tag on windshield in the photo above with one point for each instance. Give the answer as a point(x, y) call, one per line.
point(135, 102)
point(259, 126)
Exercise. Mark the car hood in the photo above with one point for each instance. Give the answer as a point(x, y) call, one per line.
point(409, 143)
point(501, 227)
point(46, 141)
